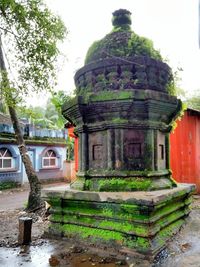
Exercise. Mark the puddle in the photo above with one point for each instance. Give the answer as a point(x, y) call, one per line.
point(26, 256)
point(58, 253)
point(53, 253)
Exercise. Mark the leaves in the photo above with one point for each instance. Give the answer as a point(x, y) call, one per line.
point(194, 100)
point(32, 33)
point(48, 117)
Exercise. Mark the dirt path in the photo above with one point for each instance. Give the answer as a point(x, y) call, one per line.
point(13, 200)
point(17, 198)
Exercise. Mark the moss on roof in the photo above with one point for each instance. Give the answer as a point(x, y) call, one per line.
point(121, 42)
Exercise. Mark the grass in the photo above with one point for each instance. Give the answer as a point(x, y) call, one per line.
point(8, 185)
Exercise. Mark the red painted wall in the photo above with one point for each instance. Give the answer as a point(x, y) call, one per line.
point(71, 134)
point(185, 149)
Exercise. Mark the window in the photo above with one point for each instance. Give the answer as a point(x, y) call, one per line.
point(49, 159)
point(6, 160)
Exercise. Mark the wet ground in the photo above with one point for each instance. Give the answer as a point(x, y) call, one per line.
point(182, 251)
point(55, 253)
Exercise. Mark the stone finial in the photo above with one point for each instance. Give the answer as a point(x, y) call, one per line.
point(121, 18)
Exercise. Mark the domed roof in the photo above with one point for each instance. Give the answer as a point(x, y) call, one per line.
point(121, 42)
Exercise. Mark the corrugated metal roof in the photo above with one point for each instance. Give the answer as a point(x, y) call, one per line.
point(193, 111)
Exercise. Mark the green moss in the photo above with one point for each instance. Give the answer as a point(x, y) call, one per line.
point(124, 227)
point(56, 218)
point(171, 218)
point(54, 201)
point(95, 235)
point(141, 46)
point(104, 235)
point(125, 44)
point(127, 227)
point(124, 184)
point(119, 226)
point(92, 50)
point(86, 232)
point(119, 120)
point(179, 113)
point(110, 95)
point(140, 243)
point(169, 211)
point(131, 208)
point(55, 210)
point(105, 213)
point(166, 233)
point(55, 229)
point(126, 173)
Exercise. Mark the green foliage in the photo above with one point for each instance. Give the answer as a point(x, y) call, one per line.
point(92, 50)
point(194, 101)
point(49, 117)
point(57, 100)
point(180, 113)
point(3, 108)
point(70, 148)
point(173, 84)
point(32, 33)
point(32, 113)
point(8, 185)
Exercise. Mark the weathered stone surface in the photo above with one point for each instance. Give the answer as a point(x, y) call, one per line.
point(139, 220)
point(141, 197)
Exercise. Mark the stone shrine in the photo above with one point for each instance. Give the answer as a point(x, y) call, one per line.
point(123, 111)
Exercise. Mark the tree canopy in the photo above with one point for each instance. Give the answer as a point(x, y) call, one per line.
point(49, 116)
point(29, 36)
point(194, 101)
point(30, 33)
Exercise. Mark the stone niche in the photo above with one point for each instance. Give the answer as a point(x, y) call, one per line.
point(125, 150)
point(124, 195)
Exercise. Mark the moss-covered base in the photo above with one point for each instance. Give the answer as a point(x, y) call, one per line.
point(142, 221)
point(123, 184)
point(128, 184)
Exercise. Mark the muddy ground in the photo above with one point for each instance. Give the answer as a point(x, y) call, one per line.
point(182, 251)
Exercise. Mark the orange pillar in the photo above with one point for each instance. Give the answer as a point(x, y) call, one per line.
point(72, 135)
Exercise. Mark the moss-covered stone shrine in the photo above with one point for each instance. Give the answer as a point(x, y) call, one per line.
point(124, 107)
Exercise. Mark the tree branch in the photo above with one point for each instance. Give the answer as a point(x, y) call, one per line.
point(6, 30)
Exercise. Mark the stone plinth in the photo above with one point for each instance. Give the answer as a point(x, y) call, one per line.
point(142, 221)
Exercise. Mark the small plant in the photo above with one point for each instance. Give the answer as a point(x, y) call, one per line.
point(8, 185)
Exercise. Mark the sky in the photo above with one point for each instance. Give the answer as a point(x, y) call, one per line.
point(173, 26)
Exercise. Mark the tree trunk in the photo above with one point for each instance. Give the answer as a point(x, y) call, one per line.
point(34, 199)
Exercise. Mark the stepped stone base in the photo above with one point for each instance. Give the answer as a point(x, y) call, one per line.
point(140, 221)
